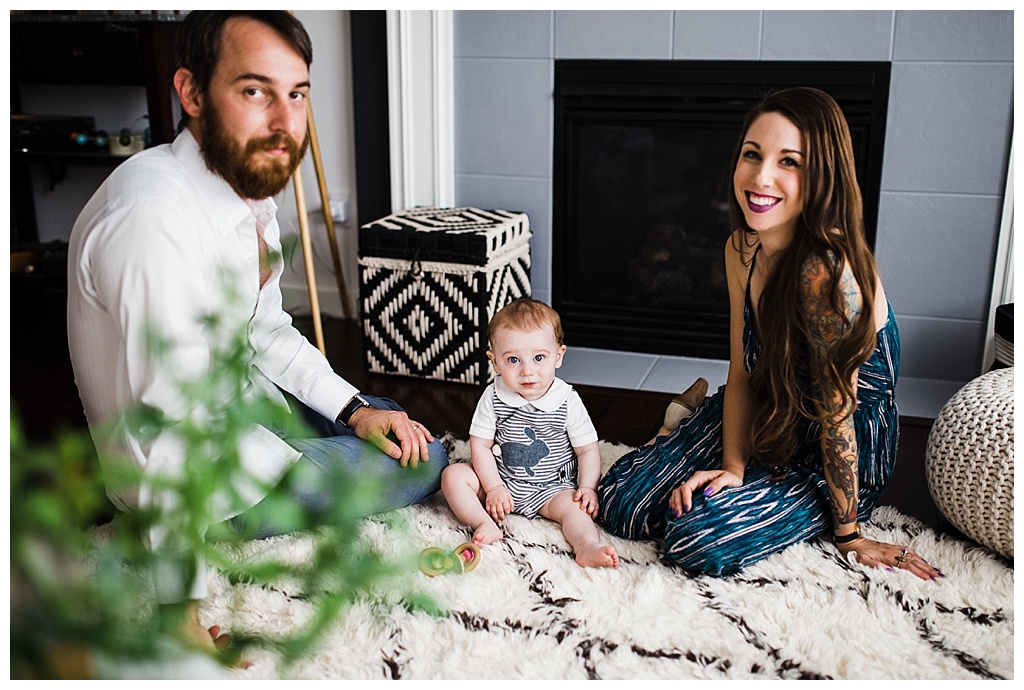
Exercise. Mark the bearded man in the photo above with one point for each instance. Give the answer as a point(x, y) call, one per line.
point(150, 252)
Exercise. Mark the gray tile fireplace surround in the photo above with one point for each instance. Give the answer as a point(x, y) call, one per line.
point(951, 99)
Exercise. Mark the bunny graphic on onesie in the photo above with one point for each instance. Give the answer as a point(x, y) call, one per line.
point(535, 439)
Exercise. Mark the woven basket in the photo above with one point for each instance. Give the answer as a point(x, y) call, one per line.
point(970, 460)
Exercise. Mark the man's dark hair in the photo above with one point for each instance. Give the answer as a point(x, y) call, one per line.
point(198, 44)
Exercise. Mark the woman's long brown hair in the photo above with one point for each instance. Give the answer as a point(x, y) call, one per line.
point(790, 383)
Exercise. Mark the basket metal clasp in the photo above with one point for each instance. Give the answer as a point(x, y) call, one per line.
point(415, 267)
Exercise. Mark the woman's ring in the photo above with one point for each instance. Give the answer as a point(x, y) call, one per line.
point(903, 558)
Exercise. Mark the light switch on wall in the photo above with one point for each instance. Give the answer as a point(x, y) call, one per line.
point(339, 209)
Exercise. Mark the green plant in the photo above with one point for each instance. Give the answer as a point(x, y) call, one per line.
point(84, 593)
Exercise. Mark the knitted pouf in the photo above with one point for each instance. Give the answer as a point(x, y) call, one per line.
point(970, 460)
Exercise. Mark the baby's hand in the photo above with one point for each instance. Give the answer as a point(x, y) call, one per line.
point(499, 503)
point(587, 498)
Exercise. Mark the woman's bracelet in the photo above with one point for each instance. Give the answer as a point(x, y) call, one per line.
point(846, 538)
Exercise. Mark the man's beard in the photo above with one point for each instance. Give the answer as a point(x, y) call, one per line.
point(235, 162)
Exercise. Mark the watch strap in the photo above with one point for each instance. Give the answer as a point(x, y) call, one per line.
point(846, 538)
point(354, 404)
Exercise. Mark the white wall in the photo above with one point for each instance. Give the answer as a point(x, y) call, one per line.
point(331, 98)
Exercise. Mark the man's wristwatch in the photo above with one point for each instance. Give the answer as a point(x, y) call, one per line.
point(354, 404)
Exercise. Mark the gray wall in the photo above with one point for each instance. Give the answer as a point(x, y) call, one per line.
point(947, 145)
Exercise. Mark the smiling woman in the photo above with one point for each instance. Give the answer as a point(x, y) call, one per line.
point(769, 178)
point(801, 440)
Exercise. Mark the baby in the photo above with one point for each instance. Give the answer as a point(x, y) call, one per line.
point(532, 444)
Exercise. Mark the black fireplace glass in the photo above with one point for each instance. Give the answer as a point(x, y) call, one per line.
point(658, 196)
point(642, 178)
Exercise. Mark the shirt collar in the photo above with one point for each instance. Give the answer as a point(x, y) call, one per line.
point(263, 209)
point(549, 402)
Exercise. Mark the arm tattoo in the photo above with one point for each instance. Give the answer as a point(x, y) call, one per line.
point(839, 457)
point(838, 440)
point(827, 324)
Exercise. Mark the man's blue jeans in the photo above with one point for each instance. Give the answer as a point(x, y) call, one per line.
point(330, 458)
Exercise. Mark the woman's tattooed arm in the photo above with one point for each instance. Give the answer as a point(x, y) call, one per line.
point(839, 439)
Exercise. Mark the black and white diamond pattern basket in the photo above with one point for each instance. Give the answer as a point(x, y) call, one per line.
point(430, 279)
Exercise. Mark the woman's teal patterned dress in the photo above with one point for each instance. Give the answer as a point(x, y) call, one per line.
point(738, 526)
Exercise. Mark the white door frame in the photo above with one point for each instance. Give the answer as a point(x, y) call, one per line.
point(1002, 275)
point(421, 122)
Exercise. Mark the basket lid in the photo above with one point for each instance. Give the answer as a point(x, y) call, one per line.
point(455, 235)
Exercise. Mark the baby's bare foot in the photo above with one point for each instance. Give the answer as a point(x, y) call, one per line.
point(597, 556)
point(486, 534)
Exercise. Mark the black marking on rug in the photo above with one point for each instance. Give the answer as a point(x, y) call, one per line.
point(590, 650)
point(393, 665)
point(394, 669)
point(915, 605)
point(967, 661)
point(448, 444)
point(718, 663)
point(973, 615)
point(584, 652)
point(784, 668)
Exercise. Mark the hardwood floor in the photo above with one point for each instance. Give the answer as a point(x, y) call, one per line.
point(622, 416)
point(44, 394)
point(630, 417)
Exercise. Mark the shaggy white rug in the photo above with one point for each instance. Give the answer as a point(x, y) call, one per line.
point(529, 612)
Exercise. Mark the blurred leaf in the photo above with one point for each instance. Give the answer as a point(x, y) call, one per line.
point(75, 587)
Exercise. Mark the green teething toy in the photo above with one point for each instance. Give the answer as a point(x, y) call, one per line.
point(463, 558)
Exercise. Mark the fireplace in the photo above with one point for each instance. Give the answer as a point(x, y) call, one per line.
point(642, 174)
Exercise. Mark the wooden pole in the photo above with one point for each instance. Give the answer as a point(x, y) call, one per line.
point(325, 201)
point(307, 249)
point(307, 256)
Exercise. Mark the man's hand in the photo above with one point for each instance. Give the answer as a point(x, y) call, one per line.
point(383, 428)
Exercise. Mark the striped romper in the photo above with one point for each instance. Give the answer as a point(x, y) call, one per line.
point(533, 441)
point(738, 526)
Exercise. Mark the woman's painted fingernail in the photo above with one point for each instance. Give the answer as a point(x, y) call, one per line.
point(686, 508)
point(708, 491)
point(890, 569)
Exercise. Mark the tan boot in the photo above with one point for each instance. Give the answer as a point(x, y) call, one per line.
point(684, 404)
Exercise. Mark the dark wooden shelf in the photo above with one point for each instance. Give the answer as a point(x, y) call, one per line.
point(85, 157)
point(88, 50)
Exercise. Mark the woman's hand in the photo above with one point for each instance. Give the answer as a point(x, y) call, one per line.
point(712, 481)
point(499, 503)
point(890, 556)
